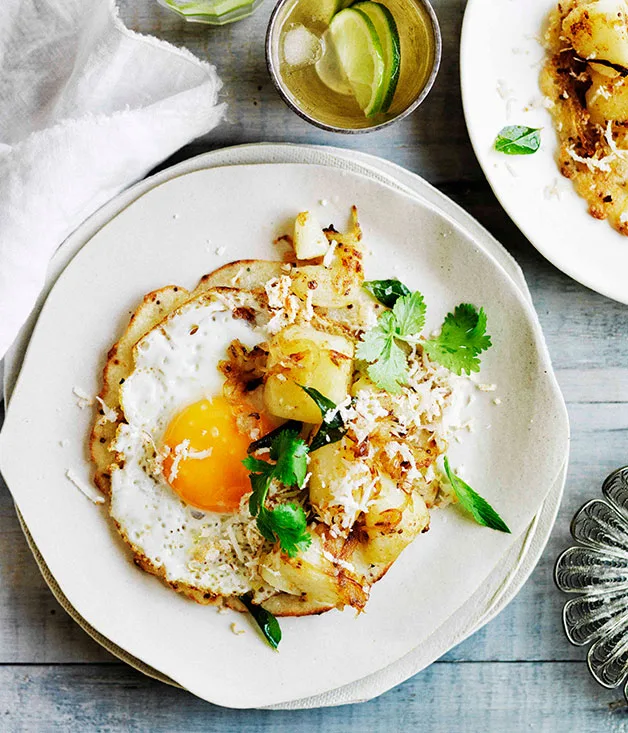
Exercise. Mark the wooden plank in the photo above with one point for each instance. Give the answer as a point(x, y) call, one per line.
point(474, 698)
point(586, 386)
point(440, 151)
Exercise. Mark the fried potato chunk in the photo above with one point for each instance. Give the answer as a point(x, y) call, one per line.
point(337, 281)
point(599, 30)
point(339, 484)
point(607, 97)
point(318, 573)
point(393, 520)
point(301, 354)
point(309, 238)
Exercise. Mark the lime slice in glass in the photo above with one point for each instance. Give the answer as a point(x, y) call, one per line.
point(326, 9)
point(329, 68)
point(360, 53)
point(388, 35)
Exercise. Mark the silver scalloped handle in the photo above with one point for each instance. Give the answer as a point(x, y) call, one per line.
point(586, 618)
point(597, 568)
point(585, 569)
point(615, 490)
point(599, 525)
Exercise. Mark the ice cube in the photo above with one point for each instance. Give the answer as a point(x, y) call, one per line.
point(301, 47)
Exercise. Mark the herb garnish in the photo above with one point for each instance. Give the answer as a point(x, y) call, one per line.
point(462, 338)
point(381, 345)
point(267, 623)
point(286, 522)
point(518, 140)
point(333, 428)
point(267, 440)
point(386, 291)
point(479, 508)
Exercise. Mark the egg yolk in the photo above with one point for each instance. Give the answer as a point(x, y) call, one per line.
point(204, 463)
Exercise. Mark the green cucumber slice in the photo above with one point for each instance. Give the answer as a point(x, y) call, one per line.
point(386, 28)
point(360, 53)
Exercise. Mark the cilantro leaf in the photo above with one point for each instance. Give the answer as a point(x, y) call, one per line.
point(333, 428)
point(374, 341)
point(286, 522)
point(390, 370)
point(264, 525)
point(290, 453)
point(409, 314)
point(518, 140)
point(379, 346)
point(255, 465)
point(268, 624)
point(479, 508)
point(386, 291)
point(260, 483)
point(463, 337)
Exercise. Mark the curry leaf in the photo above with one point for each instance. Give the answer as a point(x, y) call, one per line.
point(268, 624)
point(518, 140)
point(386, 291)
point(479, 508)
point(332, 428)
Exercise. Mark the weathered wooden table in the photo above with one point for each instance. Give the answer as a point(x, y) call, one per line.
point(518, 673)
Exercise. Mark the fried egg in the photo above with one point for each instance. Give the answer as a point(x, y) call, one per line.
point(176, 493)
point(198, 376)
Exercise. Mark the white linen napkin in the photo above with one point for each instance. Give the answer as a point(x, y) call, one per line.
point(86, 108)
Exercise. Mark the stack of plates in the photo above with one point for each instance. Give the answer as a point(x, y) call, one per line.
point(171, 229)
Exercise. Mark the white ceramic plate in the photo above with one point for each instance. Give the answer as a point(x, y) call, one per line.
point(512, 570)
point(500, 62)
point(163, 237)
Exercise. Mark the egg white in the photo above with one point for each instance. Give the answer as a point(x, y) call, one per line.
point(176, 364)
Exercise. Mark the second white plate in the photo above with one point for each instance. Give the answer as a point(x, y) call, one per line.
point(500, 61)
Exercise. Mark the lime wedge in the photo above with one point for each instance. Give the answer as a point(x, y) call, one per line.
point(326, 9)
point(329, 68)
point(386, 29)
point(360, 53)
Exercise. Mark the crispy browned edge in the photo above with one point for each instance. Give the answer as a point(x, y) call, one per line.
point(560, 81)
point(154, 308)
